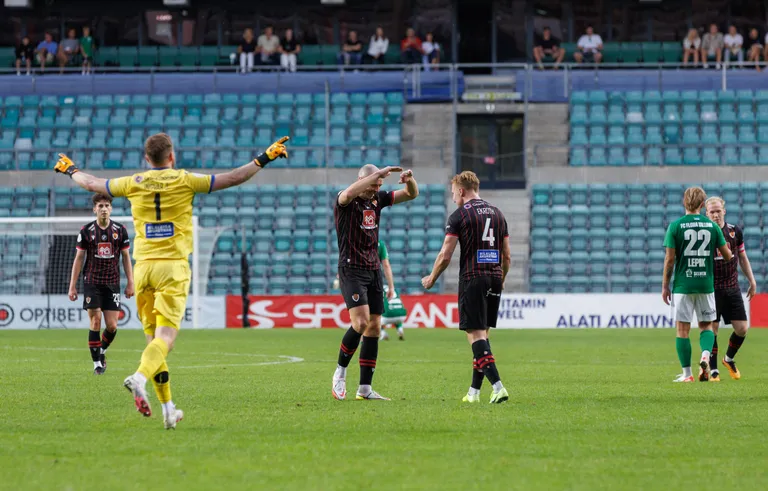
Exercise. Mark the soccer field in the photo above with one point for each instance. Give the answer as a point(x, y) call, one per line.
point(590, 409)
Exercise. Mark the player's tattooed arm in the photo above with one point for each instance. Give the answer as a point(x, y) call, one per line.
point(411, 190)
point(441, 262)
point(506, 260)
point(358, 187)
point(77, 266)
point(669, 267)
point(746, 267)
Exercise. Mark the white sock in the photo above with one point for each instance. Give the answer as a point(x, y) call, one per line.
point(399, 330)
point(364, 390)
point(687, 372)
point(96, 364)
point(167, 406)
point(473, 392)
point(705, 354)
point(728, 358)
point(497, 386)
point(341, 372)
point(140, 378)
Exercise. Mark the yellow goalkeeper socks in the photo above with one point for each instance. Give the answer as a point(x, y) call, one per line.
point(153, 358)
point(162, 383)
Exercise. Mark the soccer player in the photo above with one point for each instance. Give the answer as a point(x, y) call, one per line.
point(728, 299)
point(161, 204)
point(394, 311)
point(481, 230)
point(690, 242)
point(357, 213)
point(101, 244)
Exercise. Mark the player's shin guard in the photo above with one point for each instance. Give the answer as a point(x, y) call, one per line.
point(683, 346)
point(485, 360)
point(162, 383)
point(477, 376)
point(734, 343)
point(349, 344)
point(713, 356)
point(368, 355)
point(153, 358)
point(94, 345)
point(106, 339)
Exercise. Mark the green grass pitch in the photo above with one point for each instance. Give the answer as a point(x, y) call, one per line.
point(590, 409)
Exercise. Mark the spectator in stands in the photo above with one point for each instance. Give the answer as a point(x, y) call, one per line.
point(590, 46)
point(68, 48)
point(378, 46)
point(46, 50)
point(691, 47)
point(755, 48)
point(24, 52)
point(289, 49)
point(431, 51)
point(733, 44)
point(712, 46)
point(87, 47)
point(410, 47)
point(351, 51)
point(268, 46)
point(548, 48)
point(247, 48)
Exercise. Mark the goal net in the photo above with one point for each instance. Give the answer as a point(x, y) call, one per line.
point(36, 256)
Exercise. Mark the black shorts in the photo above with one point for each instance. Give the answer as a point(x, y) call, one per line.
point(479, 300)
point(104, 297)
point(362, 287)
point(730, 305)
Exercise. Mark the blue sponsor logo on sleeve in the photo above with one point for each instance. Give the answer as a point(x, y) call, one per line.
point(158, 230)
point(488, 256)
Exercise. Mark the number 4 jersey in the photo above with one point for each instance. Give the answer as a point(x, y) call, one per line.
point(481, 229)
point(695, 239)
point(161, 205)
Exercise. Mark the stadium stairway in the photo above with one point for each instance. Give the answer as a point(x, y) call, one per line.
point(420, 129)
point(547, 124)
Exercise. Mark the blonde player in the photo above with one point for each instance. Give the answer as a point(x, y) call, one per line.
point(161, 204)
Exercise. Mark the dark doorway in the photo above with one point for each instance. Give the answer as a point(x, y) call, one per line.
point(474, 26)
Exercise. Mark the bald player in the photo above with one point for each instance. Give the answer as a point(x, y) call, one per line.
point(357, 213)
point(161, 205)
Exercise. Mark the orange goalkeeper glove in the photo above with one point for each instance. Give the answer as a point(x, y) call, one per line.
point(276, 150)
point(65, 166)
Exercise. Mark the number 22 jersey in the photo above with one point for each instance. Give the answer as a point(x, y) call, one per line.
point(161, 205)
point(481, 229)
point(694, 239)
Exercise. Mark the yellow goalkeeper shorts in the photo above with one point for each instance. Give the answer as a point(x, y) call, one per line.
point(162, 287)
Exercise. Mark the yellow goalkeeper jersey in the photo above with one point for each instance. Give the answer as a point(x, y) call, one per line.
point(161, 205)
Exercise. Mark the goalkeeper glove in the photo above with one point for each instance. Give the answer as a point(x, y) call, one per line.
point(274, 151)
point(65, 166)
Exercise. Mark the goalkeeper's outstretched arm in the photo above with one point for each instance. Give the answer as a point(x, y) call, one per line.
point(242, 174)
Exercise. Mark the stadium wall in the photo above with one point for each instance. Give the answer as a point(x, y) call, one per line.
point(517, 311)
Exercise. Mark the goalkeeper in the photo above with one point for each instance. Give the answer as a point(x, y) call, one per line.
point(394, 310)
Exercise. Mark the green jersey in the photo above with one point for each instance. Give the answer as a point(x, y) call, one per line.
point(383, 254)
point(86, 42)
point(695, 239)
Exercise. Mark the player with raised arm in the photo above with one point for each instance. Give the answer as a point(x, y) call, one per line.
point(690, 245)
point(101, 245)
point(481, 230)
point(357, 213)
point(394, 310)
point(728, 299)
point(161, 205)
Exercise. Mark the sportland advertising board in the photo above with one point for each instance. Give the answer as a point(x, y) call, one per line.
point(516, 311)
point(58, 312)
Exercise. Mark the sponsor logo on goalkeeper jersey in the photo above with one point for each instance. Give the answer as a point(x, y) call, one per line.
point(159, 230)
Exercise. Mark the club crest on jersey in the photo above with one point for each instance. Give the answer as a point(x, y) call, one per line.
point(374, 202)
point(138, 179)
point(369, 219)
point(732, 234)
point(355, 297)
point(114, 235)
point(87, 299)
point(104, 250)
point(103, 237)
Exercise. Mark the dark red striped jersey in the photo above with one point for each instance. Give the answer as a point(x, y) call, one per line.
point(102, 252)
point(357, 229)
point(726, 272)
point(481, 229)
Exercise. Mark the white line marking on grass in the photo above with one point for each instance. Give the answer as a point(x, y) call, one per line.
point(283, 359)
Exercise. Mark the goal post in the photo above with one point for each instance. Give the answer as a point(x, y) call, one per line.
point(36, 256)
